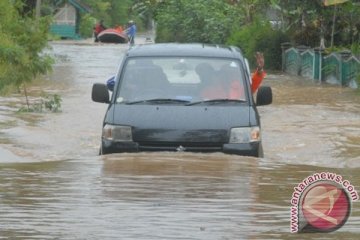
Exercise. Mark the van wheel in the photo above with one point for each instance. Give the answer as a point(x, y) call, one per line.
point(264, 96)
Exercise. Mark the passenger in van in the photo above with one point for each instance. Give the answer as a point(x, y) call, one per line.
point(221, 84)
point(226, 83)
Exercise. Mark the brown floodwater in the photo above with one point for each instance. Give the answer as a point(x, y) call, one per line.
point(53, 184)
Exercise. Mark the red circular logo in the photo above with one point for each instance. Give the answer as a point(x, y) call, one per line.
point(326, 207)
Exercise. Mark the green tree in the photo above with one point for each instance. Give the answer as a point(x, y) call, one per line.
point(100, 9)
point(249, 10)
point(306, 21)
point(260, 36)
point(207, 21)
point(145, 9)
point(120, 12)
point(87, 24)
point(22, 41)
point(113, 12)
point(347, 25)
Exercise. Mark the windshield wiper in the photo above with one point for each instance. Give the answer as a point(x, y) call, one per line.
point(215, 101)
point(159, 100)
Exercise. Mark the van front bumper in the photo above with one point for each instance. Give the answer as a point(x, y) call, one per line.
point(244, 149)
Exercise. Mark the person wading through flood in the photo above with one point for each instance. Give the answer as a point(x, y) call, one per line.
point(131, 32)
point(99, 27)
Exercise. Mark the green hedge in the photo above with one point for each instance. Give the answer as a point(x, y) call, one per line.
point(260, 36)
point(87, 24)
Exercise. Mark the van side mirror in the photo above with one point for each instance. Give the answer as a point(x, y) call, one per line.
point(264, 96)
point(100, 93)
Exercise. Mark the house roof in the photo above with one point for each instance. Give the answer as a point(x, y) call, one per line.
point(76, 3)
point(79, 5)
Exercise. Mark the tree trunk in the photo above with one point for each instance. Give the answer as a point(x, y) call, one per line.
point(26, 97)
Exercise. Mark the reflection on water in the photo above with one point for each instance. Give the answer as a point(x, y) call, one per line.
point(312, 124)
point(155, 196)
point(54, 186)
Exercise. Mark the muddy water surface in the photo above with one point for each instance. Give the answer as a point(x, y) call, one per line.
point(54, 186)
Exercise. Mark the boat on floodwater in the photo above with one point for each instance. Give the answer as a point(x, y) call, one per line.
point(112, 36)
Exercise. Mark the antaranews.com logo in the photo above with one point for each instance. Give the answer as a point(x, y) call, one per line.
point(321, 203)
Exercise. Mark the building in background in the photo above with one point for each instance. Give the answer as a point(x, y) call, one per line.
point(67, 19)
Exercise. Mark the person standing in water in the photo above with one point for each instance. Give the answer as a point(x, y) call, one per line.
point(131, 32)
point(99, 27)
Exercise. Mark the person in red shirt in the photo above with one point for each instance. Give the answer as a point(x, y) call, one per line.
point(259, 74)
point(99, 27)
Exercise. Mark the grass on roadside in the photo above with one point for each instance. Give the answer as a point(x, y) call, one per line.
point(33, 96)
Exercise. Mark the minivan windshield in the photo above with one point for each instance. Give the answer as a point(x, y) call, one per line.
point(181, 80)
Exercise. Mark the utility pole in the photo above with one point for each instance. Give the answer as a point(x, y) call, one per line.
point(37, 9)
point(333, 26)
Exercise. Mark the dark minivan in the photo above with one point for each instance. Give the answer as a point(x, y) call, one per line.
point(182, 97)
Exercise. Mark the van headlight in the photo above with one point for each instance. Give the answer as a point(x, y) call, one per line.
point(245, 135)
point(117, 133)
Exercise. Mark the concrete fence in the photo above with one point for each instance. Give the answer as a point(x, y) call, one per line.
point(342, 68)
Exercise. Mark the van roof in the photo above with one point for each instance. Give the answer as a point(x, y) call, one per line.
point(185, 49)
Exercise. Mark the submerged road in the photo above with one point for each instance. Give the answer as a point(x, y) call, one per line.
point(53, 184)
